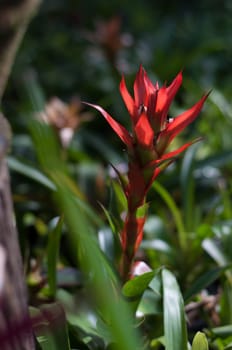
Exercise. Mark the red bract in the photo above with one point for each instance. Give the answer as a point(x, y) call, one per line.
point(148, 112)
point(152, 132)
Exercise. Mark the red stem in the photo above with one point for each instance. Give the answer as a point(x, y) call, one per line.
point(128, 239)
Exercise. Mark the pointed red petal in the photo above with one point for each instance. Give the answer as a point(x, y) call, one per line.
point(151, 106)
point(164, 100)
point(172, 154)
point(143, 131)
point(150, 87)
point(158, 113)
point(181, 149)
point(140, 88)
point(183, 120)
point(174, 86)
point(128, 100)
point(171, 91)
point(118, 128)
point(158, 170)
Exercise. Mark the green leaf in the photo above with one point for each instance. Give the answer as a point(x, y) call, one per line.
point(200, 342)
point(212, 248)
point(108, 217)
point(99, 144)
point(226, 302)
point(187, 186)
point(83, 318)
point(22, 168)
point(203, 281)
point(119, 197)
point(223, 331)
point(217, 161)
point(142, 210)
point(155, 343)
point(117, 205)
point(83, 244)
point(174, 210)
point(50, 327)
point(154, 227)
point(135, 287)
point(52, 255)
point(31, 172)
point(33, 91)
point(106, 242)
point(150, 304)
point(221, 102)
point(158, 245)
point(175, 331)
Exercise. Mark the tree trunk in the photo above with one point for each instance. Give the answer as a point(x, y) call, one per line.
point(14, 18)
point(15, 328)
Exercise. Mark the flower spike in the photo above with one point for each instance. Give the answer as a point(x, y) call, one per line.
point(147, 145)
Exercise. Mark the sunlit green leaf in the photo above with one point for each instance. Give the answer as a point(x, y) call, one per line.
point(144, 293)
point(175, 331)
point(135, 287)
point(212, 248)
point(200, 342)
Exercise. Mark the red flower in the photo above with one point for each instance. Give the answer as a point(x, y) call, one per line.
point(148, 112)
point(151, 134)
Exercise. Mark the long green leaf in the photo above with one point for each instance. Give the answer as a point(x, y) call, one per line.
point(21, 167)
point(187, 187)
point(175, 331)
point(84, 245)
point(174, 210)
point(52, 255)
point(212, 248)
point(31, 172)
point(223, 331)
point(204, 280)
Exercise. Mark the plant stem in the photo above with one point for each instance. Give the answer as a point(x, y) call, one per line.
point(129, 236)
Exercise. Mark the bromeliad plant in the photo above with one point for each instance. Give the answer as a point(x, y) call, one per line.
point(147, 143)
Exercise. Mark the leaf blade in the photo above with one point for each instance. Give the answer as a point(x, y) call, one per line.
point(175, 330)
point(52, 255)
